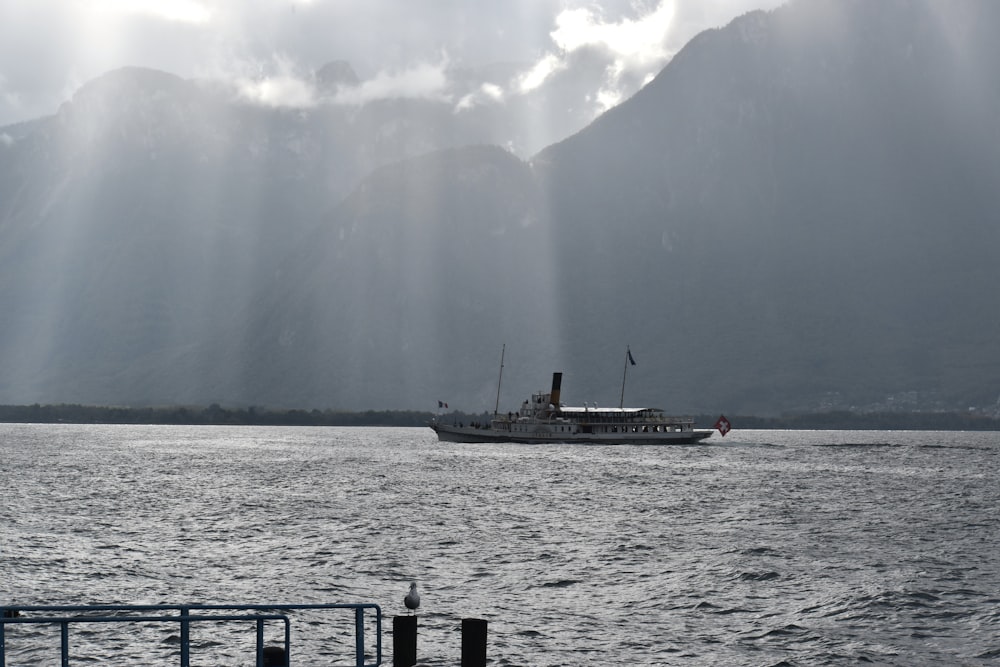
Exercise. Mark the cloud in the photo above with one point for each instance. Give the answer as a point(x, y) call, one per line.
point(50, 47)
point(280, 92)
point(280, 84)
point(284, 88)
point(541, 71)
point(422, 80)
point(608, 97)
point(632, 48)
point(631, 42)
point(7, 97)
point(486, 93)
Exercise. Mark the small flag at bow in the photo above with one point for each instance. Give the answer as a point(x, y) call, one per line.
point(442, 405)
point(629, 353)
point(723, 425)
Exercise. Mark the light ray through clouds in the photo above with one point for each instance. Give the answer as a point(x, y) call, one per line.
point(183, 11)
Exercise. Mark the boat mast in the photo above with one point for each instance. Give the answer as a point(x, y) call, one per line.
point(500, 379)
point(628, 357)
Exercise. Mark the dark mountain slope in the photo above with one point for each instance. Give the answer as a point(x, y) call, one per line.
point(811, 186)
point(136, 225)
point(140, 225)
point(407, 293)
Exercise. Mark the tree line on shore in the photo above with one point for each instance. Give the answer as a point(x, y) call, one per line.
point(215, 414)
point(870, 421)
point(212, 415)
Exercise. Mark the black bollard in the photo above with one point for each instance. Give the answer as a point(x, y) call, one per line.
point(274, 656)
point(473, 642)
point(404, 641)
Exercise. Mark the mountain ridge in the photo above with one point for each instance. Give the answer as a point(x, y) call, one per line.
point(796, 213)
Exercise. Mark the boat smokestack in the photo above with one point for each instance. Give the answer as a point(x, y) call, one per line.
point(556, 385)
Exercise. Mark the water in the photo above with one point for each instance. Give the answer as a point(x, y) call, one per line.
point(763, 548)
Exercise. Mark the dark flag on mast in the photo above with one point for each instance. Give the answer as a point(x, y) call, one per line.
point(628, 351)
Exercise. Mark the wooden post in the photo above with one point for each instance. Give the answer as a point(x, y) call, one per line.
point(274, 656)
point(473, 642)
point(404, 641)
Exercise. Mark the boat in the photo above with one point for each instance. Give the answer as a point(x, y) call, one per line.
point(544, 419)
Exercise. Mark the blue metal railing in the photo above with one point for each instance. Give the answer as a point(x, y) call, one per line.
point(64, 615)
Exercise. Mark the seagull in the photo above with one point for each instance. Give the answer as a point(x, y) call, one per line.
point(412, 599)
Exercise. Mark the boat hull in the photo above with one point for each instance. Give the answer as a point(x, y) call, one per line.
point(469, 434)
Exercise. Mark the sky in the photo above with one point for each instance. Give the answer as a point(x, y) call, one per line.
point(269, 49)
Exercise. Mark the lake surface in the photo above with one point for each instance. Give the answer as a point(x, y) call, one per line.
point(760, 548)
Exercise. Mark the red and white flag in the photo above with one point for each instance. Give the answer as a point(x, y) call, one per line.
point(723, 425)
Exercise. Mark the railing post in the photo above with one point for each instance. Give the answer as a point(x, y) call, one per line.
point(359, 637)
point(288, 642)
point(64, 634)
point(185, 637)
point(260, 642)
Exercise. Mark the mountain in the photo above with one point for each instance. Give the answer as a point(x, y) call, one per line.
point(408, 288)
point(812, 195)
point(136, 222)
point(139, 225)
point(799, 212)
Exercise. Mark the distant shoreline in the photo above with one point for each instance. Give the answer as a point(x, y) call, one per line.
point(868, 421)
point(217, 415)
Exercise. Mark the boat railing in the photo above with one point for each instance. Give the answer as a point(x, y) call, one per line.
point(184, 616)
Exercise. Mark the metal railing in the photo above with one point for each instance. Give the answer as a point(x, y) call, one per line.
point(64, 615)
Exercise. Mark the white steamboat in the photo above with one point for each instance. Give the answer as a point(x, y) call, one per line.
point(544, 419)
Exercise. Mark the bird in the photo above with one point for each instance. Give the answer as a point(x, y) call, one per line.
point(412, 599)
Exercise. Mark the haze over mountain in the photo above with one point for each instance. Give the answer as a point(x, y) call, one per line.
point(799, 212)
